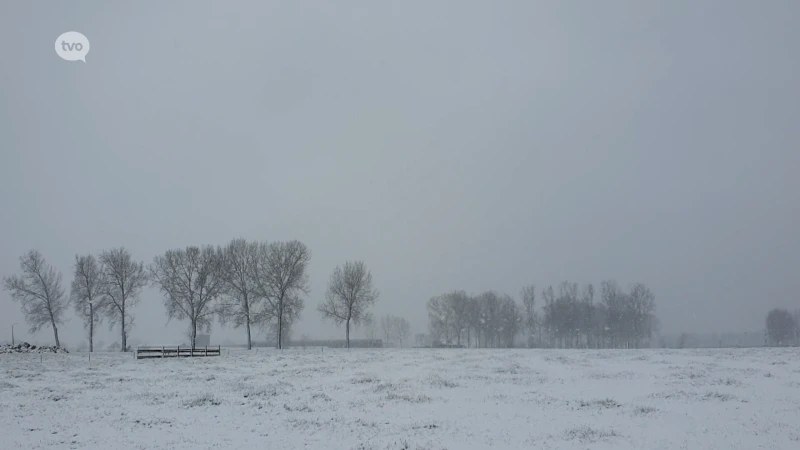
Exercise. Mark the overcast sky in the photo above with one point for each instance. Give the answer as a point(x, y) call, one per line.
point(450, 145)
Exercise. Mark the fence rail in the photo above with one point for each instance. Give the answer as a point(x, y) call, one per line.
point(176, 352)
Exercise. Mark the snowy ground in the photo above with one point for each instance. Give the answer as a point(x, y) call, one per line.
point(398, 399)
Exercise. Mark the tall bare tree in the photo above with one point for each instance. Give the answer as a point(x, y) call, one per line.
point(490, 303)
point(349, 297)
point(191, 281)
point(473, 321)
point(529, 312)
point(387, 328)
point(39, 292)
point(281, 279)
point(285, 332)
point(243, 300)
point(123, 282)
point(550, 314)
point(510, 321)
point(458, 304)
point(587, 310)
point(641, 305)
point(86, 293)
point(442, 316)
point(403, 330)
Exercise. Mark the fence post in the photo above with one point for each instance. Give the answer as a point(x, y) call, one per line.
point(206, 354)
point(162, 351)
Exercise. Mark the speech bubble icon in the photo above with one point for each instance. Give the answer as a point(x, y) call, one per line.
point(72, 46)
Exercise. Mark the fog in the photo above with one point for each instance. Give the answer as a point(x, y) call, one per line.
point(450, 145)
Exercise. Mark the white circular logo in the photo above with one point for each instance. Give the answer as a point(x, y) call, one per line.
point(72, 46)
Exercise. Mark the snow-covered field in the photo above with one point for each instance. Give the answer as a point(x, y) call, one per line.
point(397, 399)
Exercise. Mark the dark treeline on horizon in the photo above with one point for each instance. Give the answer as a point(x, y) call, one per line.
point(568, 318)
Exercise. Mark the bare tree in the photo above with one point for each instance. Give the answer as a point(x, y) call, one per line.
point(614, 300)
point(550, 320)
point(123, 281)
point(273, 330)
point(458, 304)
point(780, 327)
point(440, 317)
point(473, 320)
point(395, 328)
point(510, 320)
point(281, 279)
point(490, 303)
point(86, 293)
point(586, 316)
point(243, 299)
point(349, 296)
point(403, 329)
point(39, 292)
point(191, 281)
point(371, 330)
point(529, 315)
point(640, 307)
point(387, 327)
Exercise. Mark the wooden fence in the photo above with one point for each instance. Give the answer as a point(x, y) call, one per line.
point(176, 352)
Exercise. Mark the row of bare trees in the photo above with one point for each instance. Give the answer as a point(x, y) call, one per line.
point(485, 320)
point(619, 320)
point(395, 329)
point(104, 287)
point(568, 319)
point(244, 284)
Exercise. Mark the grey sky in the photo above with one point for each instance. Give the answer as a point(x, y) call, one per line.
point(471, 145)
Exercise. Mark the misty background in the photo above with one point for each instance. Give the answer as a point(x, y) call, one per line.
point(450, 145)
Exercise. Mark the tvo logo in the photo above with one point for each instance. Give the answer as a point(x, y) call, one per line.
point(72, 46)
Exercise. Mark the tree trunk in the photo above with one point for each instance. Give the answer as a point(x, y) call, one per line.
point(124, 340)
point(91, 328)
point(55, 333)
point(249, 342)
point(194, 335)
point(347, 334)
point(280, 327)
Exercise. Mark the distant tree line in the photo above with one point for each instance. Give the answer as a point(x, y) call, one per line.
point(570, 318)
point(395, 330)
point(783, 327)
point(485, 320)
point(245, 284)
